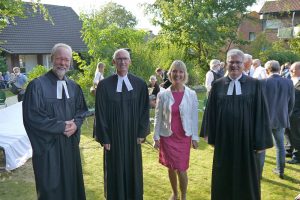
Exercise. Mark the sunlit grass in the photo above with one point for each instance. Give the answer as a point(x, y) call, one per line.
point(19, 184)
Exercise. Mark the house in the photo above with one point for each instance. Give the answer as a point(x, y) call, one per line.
point(29, 42)
point(250, 27)
point(280, 19)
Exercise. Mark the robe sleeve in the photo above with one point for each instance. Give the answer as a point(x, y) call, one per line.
point(292, 99)
point(208, 127)
point(144, 128)
point(34, 112)
point(81, 108)
point(262, 129)
point(101, 113)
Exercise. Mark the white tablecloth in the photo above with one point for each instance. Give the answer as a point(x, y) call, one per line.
point(13, 137)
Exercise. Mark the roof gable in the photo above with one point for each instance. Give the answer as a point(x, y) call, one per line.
point(34, 35)
point(280, 6)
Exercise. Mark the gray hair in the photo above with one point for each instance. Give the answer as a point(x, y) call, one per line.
point(236, 52)
point(120, 50)
point(273, 66)
point(295, 65)
point(152, 77)
point(60, 45)
point(247, 57)
point(256, 61)
point(179, 65)
point(213, 64)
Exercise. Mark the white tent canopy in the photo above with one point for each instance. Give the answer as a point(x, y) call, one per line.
point(13, 137)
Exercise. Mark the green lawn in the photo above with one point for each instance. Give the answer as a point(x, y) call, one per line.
point(19, 184)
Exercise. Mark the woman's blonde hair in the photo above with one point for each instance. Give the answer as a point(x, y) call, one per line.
point(178, 64)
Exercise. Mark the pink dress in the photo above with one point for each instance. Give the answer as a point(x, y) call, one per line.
point(174, 151)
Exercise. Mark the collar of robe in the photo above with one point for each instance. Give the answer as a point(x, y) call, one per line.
point(234, 83)
point(126, 81)
point(59, 89)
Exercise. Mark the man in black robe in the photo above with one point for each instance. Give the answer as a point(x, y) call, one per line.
point(236, 123)
point(53, 111)
point(295, 117)
point(122, 120)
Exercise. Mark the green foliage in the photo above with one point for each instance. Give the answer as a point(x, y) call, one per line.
point(282, 56)
point(85, 78)
point(259, 45)
point(36, 72)
point(3, 65)
point(114, 14)
point(10, 9)
point(295, 45)
point(200, 27)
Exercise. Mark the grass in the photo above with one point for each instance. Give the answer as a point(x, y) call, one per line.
point(8, 93)
point(19, 184)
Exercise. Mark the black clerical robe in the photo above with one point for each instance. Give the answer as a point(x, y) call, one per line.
point(121, 118)
point(56, 158)
point(237, 126)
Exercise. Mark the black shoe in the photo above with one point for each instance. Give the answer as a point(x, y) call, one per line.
point(293, 161)
point(280, 174)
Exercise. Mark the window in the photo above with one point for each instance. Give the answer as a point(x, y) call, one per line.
point(252, 36)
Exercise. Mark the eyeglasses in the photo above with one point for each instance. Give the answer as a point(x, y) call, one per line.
point(122, 59)
point(234, 62)
point(62, 59)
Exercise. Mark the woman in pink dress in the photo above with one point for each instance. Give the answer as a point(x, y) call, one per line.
point(176, 127)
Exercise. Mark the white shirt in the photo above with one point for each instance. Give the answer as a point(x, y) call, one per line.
point(260, 73)
point(98, 77)
point(249, 72)
point(295, 80)
point(127, 83)
point(209, 78)
point(237, 84)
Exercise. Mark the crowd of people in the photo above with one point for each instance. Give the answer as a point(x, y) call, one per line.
point(247, 104)
point(15, 82)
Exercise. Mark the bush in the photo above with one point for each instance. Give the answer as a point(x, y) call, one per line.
point(280, 56)
point(36, 72)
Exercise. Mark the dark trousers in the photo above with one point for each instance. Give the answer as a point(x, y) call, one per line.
point(288, 146)
point(295, 136)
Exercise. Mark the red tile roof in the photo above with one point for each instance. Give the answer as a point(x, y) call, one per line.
point(280, 6)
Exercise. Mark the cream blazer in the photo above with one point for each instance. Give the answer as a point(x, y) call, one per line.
point(188, 109)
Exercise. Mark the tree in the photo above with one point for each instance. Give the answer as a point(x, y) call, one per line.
point(108, 29)
point(201, 27)
point(10, 9)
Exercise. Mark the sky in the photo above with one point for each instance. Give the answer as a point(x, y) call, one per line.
point(130, 5)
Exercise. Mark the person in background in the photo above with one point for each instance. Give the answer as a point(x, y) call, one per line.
point(99, 75)
point(236, 124)
point(285, 70)
point(221, 72)
point(163, 75)
point(2, 84)
point(248, 69)
point(53, 111)
point(153, 89)
point(280, 96)
point(6, 77)
point(213, 74)
point(18, 83)
point(259, 71)
point(122, 124)
point(176, 127)
point(295, 116)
